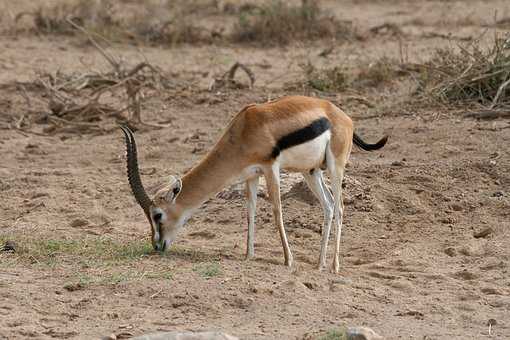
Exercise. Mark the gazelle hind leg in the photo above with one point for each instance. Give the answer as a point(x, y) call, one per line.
point(336, 171)
point(316, 183)
point(251, 197)
point(272, 175)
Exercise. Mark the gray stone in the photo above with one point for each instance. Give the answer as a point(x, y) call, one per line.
point(186, 336)
point(362, 333)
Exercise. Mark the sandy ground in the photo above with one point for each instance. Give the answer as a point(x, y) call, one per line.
point(411, 265)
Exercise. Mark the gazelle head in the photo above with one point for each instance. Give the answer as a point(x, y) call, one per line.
point(165, 216)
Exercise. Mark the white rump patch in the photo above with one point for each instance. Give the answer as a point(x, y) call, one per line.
point(306, 156)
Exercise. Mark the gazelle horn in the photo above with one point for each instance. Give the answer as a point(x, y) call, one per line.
point(134, 173)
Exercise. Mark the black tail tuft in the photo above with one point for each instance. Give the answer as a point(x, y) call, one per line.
point(369, 147)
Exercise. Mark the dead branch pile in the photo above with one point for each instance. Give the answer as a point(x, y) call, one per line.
point(84, 101)
point(471, 75)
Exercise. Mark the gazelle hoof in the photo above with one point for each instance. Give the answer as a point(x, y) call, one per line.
point(289, 262)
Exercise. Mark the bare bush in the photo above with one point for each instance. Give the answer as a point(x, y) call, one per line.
point(471, 74)
point(381, 72)
point(340, 78)
point(325, 80)
point(280, 23)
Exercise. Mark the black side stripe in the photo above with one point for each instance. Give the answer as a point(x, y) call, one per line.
point(315, 129)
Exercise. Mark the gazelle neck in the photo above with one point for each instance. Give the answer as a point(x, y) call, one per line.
point(208, 177)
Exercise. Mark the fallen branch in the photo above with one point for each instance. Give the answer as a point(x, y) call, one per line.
point(488, 114)
point(227, 79)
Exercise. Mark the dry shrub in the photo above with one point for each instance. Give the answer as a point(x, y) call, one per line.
point(338, 78)
point(174, 32)
point(469, 74)
point(53, 20)
point(327, 79)
point(152, 22)
point(280, 23)
point(379, 73)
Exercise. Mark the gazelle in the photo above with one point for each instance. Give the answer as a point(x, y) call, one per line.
point(300, 134)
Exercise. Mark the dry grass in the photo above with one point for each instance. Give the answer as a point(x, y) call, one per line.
point(157, 22)
point(335, 334)
point(92, 250)
point(280, 23)
point(381, 72)
point(170, 23)
point(333, 79)
point(471, 74)
point(339, 78)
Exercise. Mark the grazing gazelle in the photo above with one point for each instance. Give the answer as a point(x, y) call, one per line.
point(300, 134)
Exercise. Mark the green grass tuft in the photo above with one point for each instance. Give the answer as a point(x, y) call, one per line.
point(335, 334)
point(208, 270)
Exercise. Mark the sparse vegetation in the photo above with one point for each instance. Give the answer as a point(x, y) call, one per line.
point(469, 74)
point(84, 281)
point(98, 249)
point(151, 22)
point(334, 334)
point(169, 23)
point(280, 23)
point(339, 78)
point(327, 79)
point(378, 73)
point(208, 270)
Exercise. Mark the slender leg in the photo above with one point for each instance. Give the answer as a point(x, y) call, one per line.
point(315, 182)
point(337, 173)
point(251, 196)
point(339, 218)
point(272, 175)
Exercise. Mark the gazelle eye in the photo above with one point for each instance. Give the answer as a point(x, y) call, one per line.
point(157, 217)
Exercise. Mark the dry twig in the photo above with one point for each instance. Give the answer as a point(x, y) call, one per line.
point(227, 79)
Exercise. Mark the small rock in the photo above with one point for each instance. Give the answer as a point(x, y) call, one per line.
point(456, 207)
point(362, 333)
point(450, 251)
point(79, 222)
point(498, 194)
point(71, 287)
point(483, 233)
point(109, 337)
point(9, 246)
point(465, 275)
point(187, 336)
point(397, 163)
point(311, 285)
point(490, 291)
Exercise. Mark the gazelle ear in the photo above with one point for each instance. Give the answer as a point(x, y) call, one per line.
point(174, 190)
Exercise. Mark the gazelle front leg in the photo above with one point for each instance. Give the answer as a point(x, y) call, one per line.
point(272, 175)
point(251, 197)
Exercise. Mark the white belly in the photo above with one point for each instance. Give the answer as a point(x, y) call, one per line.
point(306, 156)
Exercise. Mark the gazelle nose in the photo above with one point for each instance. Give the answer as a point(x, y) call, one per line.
point(160, 246)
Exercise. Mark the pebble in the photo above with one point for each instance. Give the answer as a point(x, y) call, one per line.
point(483, 233)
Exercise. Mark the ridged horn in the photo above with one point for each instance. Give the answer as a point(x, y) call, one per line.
point(133, 172)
